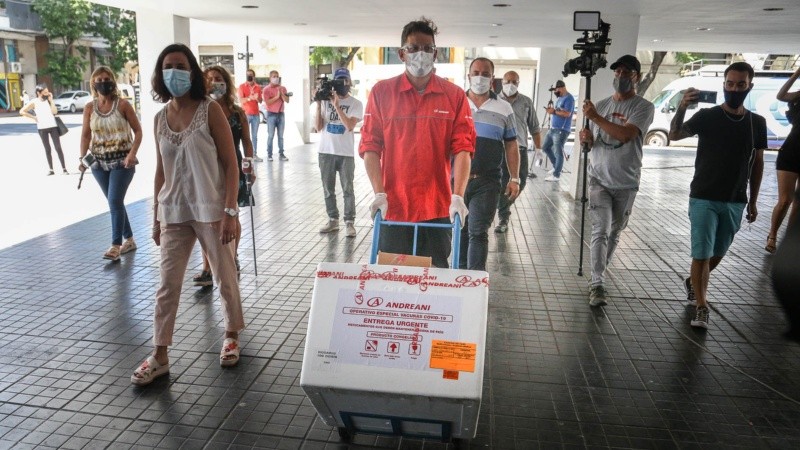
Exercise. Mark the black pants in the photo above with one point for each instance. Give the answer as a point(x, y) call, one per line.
point(53, 133)
point(503, 203)
point(433, 242)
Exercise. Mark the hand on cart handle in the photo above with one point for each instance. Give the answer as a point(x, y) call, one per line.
point(457, 206)
point(379, 203)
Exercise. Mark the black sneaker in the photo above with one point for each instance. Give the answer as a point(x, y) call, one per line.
point(501, 227)
point(203, 278)
point(687, 284)
point(283, 157)
point(597, 296)
point(700, 318)
point(269, 158)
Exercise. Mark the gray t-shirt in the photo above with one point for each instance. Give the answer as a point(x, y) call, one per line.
point(613, 164)
point(524, 117)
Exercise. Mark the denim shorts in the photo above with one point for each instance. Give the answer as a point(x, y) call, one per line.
point(714, 224)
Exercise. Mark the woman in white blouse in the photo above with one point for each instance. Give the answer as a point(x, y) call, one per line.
point(45, 117)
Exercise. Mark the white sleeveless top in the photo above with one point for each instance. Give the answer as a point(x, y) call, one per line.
point(44, 115)
point(194, 182)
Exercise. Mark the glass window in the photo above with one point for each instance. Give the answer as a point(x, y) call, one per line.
point(11, 50)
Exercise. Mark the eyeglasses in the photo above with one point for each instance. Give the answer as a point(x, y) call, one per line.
point(416, 48)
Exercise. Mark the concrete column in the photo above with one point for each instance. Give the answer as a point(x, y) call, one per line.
point(624, 35)
point(154, 31)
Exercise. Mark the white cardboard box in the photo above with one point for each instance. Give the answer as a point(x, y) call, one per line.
point(397, 349)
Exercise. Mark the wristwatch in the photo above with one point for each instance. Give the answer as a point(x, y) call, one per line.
point(515, 180)
point(233, 212)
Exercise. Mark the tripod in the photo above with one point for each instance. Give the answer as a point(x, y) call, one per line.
point(585, 149)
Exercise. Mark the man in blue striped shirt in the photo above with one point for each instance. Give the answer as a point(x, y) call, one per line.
point(494, 126)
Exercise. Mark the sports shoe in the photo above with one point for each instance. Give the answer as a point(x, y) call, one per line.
point(65, 172)
point(687, 284)
point(203, 278)
point(700, 318)
point(257, 158)
point(501, 227)
point(597, 296)
point(552, 178)
point(333, 225)
point(50, 173)
point(350, 229)
point(283, 157)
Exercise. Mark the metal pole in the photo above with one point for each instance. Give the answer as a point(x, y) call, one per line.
point(247, 54)
point(585, 149)
point(252, 219)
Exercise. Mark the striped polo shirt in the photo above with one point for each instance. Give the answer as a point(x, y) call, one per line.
point(494, 126)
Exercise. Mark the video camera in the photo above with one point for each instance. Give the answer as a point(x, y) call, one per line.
point(593, 46)
point(327, 86)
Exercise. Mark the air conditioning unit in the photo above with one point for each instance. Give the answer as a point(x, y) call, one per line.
point(16, 67)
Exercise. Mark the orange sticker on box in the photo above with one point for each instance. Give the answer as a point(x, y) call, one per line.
point(452, 355)
point(450, 374)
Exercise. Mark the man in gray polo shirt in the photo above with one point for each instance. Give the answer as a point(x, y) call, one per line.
point(615, 136)
point(526, 121)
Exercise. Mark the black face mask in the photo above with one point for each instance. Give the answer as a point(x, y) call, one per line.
point(104, 87)
point(734, 99)
point(250, 78)
point(558, 93)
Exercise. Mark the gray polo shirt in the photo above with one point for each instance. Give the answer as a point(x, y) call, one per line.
point(524, 118)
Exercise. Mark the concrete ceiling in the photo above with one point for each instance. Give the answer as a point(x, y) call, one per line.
point(737, 26)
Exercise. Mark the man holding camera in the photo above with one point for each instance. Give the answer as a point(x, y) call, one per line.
point(525, 121)
point(250, 95)
point(730, 156)
point(417, 131)
point(335, 119)
point(275, 97)
point(615, 137)
point(560, 127)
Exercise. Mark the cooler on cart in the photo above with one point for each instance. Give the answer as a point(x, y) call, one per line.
point(395, 349)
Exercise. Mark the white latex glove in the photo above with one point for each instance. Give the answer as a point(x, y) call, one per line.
point(379, 203)
point(457, 206)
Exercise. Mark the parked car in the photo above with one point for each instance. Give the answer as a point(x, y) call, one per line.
point(72, 101)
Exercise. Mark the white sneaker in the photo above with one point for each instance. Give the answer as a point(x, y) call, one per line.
point(333, 225)
point(550, 171)
point(551, 178)
point(350, 229)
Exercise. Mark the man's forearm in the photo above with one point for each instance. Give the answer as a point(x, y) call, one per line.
point(676, 128)
point(756, 176)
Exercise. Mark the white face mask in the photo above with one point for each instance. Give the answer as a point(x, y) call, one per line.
point(479, 85)
point(218, 89)
point(275, 80)
point(509, 89)
point(419, 64)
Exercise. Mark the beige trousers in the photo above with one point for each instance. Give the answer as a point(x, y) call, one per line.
point(177, 242)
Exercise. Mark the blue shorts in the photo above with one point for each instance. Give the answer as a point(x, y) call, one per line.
point(713, 224)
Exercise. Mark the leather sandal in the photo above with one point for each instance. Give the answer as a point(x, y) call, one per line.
point(112, 253)
point(229, 355)
point(149, 371)
point(772, 244)
point(128, 246)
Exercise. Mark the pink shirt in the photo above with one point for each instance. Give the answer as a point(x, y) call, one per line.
point(270, 91)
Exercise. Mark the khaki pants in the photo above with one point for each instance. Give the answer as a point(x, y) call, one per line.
point(177, 242)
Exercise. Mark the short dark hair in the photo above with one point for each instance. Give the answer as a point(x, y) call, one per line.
point(423, 25)
point(481, 58)
point(160, 92)
point(40, 87)
point(741, 66)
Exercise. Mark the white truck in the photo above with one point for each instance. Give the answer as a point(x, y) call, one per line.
point(762, 99)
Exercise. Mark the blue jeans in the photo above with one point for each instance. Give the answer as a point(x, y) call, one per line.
point(114, 184)
point(553, 147)
point(481, 199)
point(254, 121)
point(329, 166)
point(275, 120)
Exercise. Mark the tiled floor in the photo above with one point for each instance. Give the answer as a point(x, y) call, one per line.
point(558, 374)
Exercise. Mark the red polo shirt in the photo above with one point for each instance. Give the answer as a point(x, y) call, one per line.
point(416, 137)
point(250, 107)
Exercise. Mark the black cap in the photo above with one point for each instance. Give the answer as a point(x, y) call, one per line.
point(628, 61)
point(558, 84)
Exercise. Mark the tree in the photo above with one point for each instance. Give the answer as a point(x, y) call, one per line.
point(647, 79)
point(336, 56)
point(64, 22)
point(118, 28)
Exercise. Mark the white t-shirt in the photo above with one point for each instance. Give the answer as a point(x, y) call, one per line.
point(335, 138)
point(44, 115)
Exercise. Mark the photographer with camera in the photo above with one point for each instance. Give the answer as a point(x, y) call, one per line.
point(336, 116)
point(730, 156)
point(560, 126)
point(275, 97)
point(615, 138)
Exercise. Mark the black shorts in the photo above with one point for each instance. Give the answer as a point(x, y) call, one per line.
point(789, 154)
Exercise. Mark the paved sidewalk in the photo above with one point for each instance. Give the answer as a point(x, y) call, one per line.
point(558, 374)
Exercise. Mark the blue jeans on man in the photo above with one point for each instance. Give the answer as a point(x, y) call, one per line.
point(254, 120)
point(114, 184)
point(275, 121)
point(481, 198)
point(553, 147)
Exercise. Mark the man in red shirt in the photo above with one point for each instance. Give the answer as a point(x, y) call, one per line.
point(250, 96)
point(417, 129)
point(275, 96)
